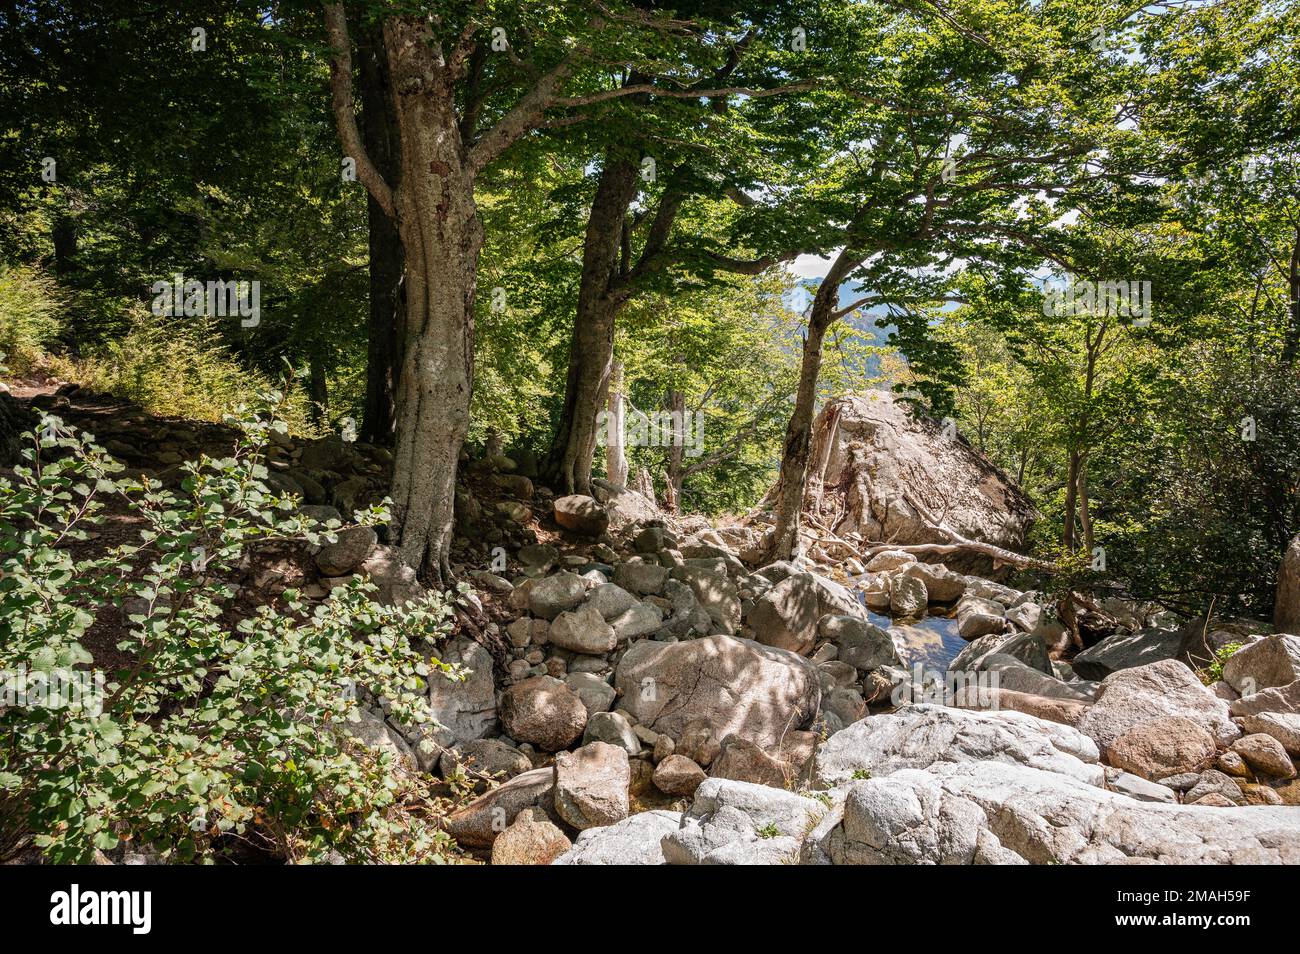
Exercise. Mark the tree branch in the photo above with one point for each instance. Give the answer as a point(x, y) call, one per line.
point(345, 116)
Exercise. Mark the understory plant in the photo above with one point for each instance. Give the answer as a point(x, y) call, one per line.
point(223, 731)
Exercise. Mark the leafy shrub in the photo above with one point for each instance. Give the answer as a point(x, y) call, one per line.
point(1214, 671)
point(30, 302)
point(217, 732)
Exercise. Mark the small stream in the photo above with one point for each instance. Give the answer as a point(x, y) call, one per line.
point(932, 641)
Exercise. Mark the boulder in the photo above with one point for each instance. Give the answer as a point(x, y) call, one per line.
point(530, 840)
point(744, 761)
point(1135, 786)
point(1265, 664)
point(395, 582)
point(887, 560)
point(489, 757)
point(641, 620)
point(978, 617)
point(582, 630)
point(349, 550)
point(890, 459)
point(917, 736)
point(1012, 674)
point(623, 507)
point(860, 644)
point(544, 712)
point(987, 812)
point(591, 785)
point(1276, 699)
point(611, 600)
point(614, 728)
point(1265, 754)
point(550, 597)
point(581, 514)
point(907, 595)
point(678, 775)
point(715, 593)
point(596, 694)
point(733, 822)
point(633, 841)
point(941, 584)
point(1127, 650)
point(466, 709)
point(372, 731)
point(1282, 726)
point(643, 579)
point(726, 684)
point(478, 824)
point(1162, 747)
point(1026, 647)
point(1065, 711)
point(786, 615)
point(1167, 688)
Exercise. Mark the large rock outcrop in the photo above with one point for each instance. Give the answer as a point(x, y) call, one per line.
point(897, 473)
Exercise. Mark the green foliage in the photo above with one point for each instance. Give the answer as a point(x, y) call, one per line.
point(30, 302)
point(1214, 671)
point(217, 730)
point(176, 366)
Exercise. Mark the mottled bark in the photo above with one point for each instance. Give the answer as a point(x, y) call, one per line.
point(442, 236)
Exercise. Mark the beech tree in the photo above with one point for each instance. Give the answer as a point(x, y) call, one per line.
point(663, 152)
point(469, 80)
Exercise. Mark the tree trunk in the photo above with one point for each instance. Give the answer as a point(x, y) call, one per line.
point(442, 235)
point(1291, 346)
point(317, 389)
point(676, 407)
point(1085, 511)
point(387, 262)
point(591, 351)
point(615, 453)
point(1071, 501)
point(798, 433)
point(794, 456)
point(63, 236)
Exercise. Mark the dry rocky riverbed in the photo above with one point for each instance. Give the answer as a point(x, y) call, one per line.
point(641, 691)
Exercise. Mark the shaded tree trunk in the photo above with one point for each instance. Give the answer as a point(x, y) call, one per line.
point(387, 261)
point(591, 349)
point(63, 235)
point(317, 389)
